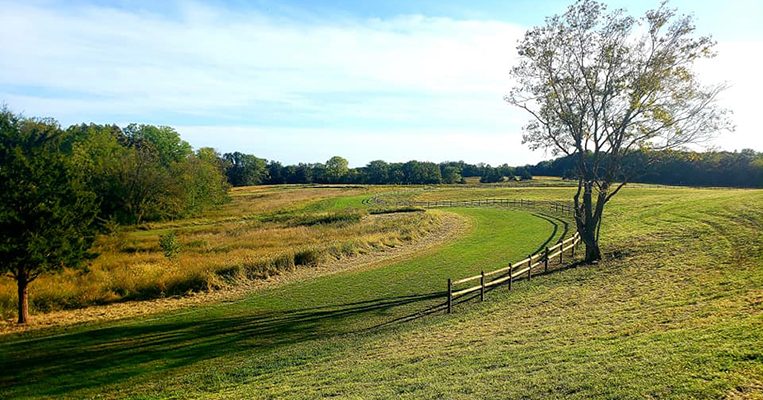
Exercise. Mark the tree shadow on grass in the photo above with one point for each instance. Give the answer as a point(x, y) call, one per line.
point(555, 221)
point(58, 365)
point(88, 357)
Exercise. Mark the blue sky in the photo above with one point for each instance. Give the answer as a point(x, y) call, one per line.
point(305, 80)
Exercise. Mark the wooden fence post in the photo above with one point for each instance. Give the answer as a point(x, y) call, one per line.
point(529, 266)
point(450, 295)
point(561, 252)
point(482, 285)
point(545, 260)
point(511, 275)
point(574, 243)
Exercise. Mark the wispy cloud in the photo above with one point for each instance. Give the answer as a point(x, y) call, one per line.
point(265, 83)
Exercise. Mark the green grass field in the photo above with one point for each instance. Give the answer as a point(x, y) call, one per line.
point(674, 311)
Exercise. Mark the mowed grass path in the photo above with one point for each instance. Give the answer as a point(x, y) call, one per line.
point(675, 311)
point(209, 348)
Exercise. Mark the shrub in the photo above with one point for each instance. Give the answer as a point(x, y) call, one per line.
point(308, 257)
point(403, 209)
point(169, 244)
point(336, 218)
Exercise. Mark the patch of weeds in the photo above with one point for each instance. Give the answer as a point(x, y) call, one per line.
point(169, 244)
point(309, 257)
point(406, 209)
point(335, 218)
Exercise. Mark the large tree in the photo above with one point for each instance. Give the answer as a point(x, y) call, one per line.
point(245, 169)
point(337, 169)
point(46, 210)
point(600, 84)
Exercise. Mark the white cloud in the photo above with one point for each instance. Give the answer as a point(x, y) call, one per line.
point(268, 85)
point(738, 65)
point(214, 59)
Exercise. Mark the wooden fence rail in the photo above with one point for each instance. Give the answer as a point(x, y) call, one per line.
point(542, 204)
point(513, 271)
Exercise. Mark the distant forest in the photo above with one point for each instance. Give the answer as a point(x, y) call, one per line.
point(726, 169)
point(715, 168)
point(246, 169)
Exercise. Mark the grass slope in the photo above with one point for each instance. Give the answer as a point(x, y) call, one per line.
point(209, 349)
point(676, 311)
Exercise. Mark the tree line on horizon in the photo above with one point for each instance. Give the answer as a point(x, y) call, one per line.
point(247, 169)
point(743, 169)
point(690, 168)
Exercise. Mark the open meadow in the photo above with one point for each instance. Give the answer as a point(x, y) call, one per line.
point(381, 200)
point(261, 232)
point(675, 309)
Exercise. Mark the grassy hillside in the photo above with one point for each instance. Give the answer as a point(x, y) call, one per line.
point(675, 310)
point(268, 326)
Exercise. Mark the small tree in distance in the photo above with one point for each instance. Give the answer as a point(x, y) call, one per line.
point(600, 85)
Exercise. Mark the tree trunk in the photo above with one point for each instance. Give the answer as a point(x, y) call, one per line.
point(589, 236)
point(22, 281)
point(588, 219)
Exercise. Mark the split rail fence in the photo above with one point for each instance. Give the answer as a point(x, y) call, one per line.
point(556, 206)
point(506, 275)
point(513, 271)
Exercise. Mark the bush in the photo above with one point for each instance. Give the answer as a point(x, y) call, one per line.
point(336, 218)
point(169, 244)
point(309, 257)
point(403, 209)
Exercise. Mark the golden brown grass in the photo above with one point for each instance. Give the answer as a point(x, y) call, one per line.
point(263, 231)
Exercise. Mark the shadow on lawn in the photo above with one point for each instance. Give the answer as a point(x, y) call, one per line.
point(57, 365)
point(88, 358)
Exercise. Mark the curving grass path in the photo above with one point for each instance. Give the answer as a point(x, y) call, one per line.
point(209, 348)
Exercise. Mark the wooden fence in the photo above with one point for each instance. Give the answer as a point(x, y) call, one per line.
point(556, 206)
point(505, 275)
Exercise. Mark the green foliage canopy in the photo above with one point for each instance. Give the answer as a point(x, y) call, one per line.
point(46, 208)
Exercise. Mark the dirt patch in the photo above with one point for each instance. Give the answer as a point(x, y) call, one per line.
point(451, 227)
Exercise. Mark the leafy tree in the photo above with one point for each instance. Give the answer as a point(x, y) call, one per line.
point(377, 172)
point(164, 140)
point(97, 153)
point(303, 173)
point(523, 173)
point(469, 170)
point(144, 187)
point(601, 84)
point(396, 174)
point(721, 168)
point(337, 169)
point(169, 244)
point(276, 173)
point(451, 174)
point(200, 182)
point(245, 169)
point(46, 210)
point(491, 175)
point(417, 172)
point(318, 173)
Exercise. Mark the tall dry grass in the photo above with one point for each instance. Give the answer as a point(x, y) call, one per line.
point(263, 232)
